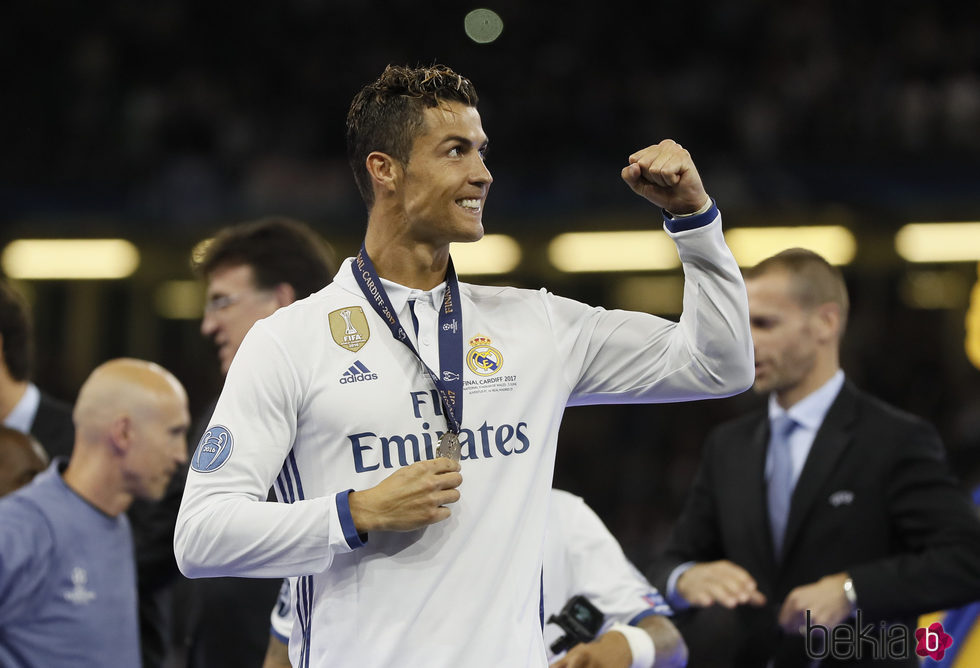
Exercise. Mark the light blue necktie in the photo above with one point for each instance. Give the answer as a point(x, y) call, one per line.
point(780, 490)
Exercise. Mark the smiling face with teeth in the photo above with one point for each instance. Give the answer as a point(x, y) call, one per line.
point(445, 181)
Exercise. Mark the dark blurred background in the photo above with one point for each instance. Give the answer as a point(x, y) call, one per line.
point(159, 122)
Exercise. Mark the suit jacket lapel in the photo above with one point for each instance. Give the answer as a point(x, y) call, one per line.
point(831, 440)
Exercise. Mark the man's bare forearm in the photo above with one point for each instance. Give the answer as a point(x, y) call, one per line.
point(671, 651)
point(277, 655)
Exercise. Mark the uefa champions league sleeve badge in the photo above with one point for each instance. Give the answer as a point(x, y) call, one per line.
point(213, 450)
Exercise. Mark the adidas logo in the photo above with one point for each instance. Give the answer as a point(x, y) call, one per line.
point(356, 373)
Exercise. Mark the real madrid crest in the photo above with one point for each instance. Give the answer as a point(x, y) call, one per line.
point(349, 328)
point(482, 358)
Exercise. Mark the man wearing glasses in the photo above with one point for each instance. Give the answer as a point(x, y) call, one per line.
point(251, 270)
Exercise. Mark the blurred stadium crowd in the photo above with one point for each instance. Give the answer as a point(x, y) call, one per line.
point(184, 112)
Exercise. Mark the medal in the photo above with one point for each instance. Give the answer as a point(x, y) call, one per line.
point(449, 446)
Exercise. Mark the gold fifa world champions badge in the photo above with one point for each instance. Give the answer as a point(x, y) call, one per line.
point(349, 328)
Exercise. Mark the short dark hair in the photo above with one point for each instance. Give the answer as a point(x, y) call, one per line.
point(388, 115)
point(16, 329)
point(814, 280)
point(279, 250)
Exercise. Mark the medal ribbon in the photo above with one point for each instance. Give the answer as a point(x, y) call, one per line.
point(450, 383)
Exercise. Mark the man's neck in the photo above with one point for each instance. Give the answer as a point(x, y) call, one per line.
point(814, 381)
point(11, 392)
point(407, 262)
point(97, 482)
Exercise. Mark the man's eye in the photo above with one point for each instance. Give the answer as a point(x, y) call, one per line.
point(455, 152)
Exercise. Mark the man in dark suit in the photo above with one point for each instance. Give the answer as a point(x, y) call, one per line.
point(52, 425)
point(828, 507)
point(251, 270)
point(23, 406)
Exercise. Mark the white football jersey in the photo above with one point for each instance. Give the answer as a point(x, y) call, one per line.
point(320, 400)
point(581, 558)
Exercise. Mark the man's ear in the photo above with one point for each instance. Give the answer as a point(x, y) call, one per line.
point(385, 170)
point(121, 434)
point(828, 322)
point(285, 294)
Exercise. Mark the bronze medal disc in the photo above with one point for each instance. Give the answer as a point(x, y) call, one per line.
point(449, 446)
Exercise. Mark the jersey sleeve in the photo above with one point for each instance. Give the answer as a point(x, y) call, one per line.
point(598, 568)
point(625, 356)
point(26, 546)
point(225, 526)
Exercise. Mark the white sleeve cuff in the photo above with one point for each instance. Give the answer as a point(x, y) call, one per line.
point(641, 645)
